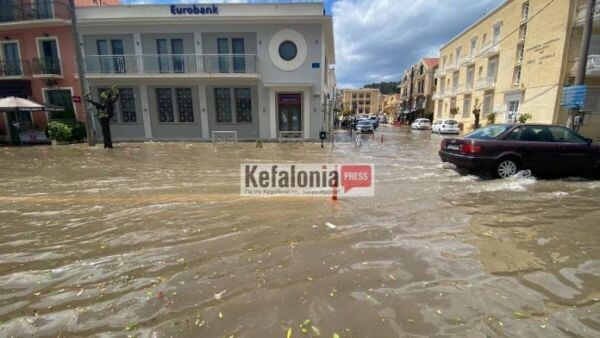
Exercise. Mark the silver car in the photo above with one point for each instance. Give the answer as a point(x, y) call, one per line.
point(365, 126)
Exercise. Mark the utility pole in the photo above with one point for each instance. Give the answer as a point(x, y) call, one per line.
point(89, 123)
point(583, 55)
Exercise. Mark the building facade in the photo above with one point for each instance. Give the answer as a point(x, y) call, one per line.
point(391, 105)
point(184, 71)
point(37, 61)
point(364, 101)
point(417, 88)
point(516, 60)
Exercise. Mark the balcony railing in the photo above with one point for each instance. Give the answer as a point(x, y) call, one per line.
point(438, 95)
point(489, 49)
point(466, 60)
point(171, 64)
point(451, 67)
point(14, 69)
point(580, 14)
point(451, 91)
point(46, 66)
point(593, 62)
point(34, 10)
point(439, 72)
point(486, 83)
point(465, 88)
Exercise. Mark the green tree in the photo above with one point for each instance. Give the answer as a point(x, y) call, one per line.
point(385, 87)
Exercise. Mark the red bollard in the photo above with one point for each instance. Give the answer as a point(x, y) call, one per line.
point(381, 137)
point(334, 194)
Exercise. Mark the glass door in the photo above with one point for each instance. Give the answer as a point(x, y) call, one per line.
point(43, 9)
point(118, 58)
point(239, 63)
point(61, 98)
point(223, 50)
point(163, 60)
point(7, 12)
point(10, 51)
point(290, 118)
point(49, 62)
point(178, 58)
point(102, 48)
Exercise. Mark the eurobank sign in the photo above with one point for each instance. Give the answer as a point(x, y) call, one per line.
point(194, 10)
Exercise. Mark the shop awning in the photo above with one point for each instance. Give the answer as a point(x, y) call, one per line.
point(13, 103)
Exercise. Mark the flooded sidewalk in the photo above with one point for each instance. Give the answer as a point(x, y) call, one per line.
point(154, 239)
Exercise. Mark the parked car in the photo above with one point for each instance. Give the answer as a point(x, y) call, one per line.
point(365, 126)
point(445, 127)
point(505, 149)
point(421, 124)
point(375, 121)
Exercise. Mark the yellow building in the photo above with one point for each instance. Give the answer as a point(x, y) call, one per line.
point(362, 101)
point(515, 61)
point(391, 105)
point(417, 87)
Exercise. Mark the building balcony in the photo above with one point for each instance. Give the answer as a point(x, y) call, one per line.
point(451, 92)
point(466, 60)
point(438, 95)
point(170, 65)
point(439, 72)
point(15, 70)
point(592, 68)
point(25, 15)
point(46, 67)
point(465, 89)
point(580, 14)
point(486, 83)
point(451, 67)
point(489, 49)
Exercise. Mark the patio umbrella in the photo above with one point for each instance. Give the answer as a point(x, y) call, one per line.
point(15, 104)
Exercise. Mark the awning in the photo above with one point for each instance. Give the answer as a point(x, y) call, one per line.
point(12, 103)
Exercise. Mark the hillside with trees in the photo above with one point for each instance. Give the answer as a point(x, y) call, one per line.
point(385, 87)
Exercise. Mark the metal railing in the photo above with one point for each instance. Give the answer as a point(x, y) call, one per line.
point(34, 10)
point(465, 88)
point(580, 13)
point(466, 59)
point(14, 68)
point(489, 48)
point(486, 83)
point(438, 95)
point(171, 63)
point(451, 66)
point(451, 91)
point(46, 66)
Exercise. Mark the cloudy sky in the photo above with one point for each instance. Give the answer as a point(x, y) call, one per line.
point(377, 39)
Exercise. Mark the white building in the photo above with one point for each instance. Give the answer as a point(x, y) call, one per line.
point(187, 70)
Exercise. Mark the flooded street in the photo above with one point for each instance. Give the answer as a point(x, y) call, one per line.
point(154, 240)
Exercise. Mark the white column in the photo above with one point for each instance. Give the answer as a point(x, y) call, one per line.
point(145, 112)
point(137, 45)
point(306, 113)
point(198, 51)
point(203, 111)
point(272, 113)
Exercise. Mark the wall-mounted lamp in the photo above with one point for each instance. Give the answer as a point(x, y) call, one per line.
point(45, 34)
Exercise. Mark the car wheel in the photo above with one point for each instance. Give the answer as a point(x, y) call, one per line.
point(506, 167)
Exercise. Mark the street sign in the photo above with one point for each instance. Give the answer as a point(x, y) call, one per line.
point(574, 97)
point(77, 99)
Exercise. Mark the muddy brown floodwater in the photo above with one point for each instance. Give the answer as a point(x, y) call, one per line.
point(154, 240)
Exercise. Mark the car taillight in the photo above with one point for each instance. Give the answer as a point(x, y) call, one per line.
point(470, 148)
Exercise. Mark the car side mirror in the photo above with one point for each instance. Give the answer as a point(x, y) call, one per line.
point(589, 141)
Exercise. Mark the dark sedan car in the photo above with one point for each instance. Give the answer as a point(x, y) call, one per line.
point(504, 149)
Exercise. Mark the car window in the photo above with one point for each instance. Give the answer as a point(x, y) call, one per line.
point(489, 132)
point(514, 135)
point(562, 134)
point(450, 122)
point(535, 134)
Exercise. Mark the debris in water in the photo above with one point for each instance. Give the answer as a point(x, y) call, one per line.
point(520, 315)
point(219, 296)
point(220, 315)
point(331, 226)
point(289, 333)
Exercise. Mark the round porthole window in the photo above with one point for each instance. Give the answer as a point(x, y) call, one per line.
point(288, 50)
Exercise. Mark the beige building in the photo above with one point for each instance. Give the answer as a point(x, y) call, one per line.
point(391, 105)
point(417, 87)
point(516, 60)
point(362, 101)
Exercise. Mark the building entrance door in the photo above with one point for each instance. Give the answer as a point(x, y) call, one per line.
point(290, 112)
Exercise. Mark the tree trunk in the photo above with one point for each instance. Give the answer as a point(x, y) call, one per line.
point(105, 125)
